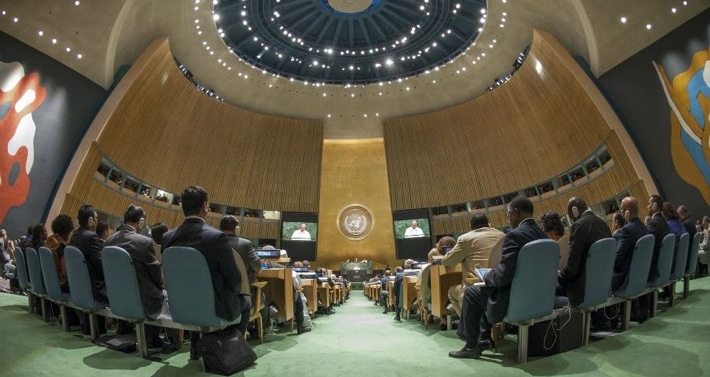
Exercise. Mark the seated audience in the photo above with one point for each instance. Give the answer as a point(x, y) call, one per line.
point(704, 251)
point(586, 229)
point(148, 269)
point(552, 225)
point(626, 239)
point(299, 302)
point(617, 222)
point(230, 303)
point(384, 292)
point(103, 231)
point(472, 250)
point(674, 225)
point(659, 228)
point(86, 240)
point(62, 227)
point(39, 236)
point(483, 306)
point(398, 277)
point(438, 250)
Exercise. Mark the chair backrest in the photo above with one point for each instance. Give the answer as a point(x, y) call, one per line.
point(23, 275)
point(124, 295)
point(532, 292)
point(693, 256)
point(665, 261)
point(425, 285)
point(79, 281)
point(599, 269)
point(35, 271)
point(49, 273)
point(245, 286)
point(640, 265)
point(189, 285)
point(681, 256)
point(496, 253)
point(564, 251)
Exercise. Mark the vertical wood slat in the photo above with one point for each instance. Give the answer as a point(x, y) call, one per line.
point(171, 135)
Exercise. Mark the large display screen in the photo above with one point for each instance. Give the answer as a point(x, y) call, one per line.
point(412, 234)
point(299, 231)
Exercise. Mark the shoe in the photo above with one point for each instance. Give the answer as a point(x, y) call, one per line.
point(170, 348)
point(397, 319)
point(156, 343)
point(194, 355)
point(302, 329)
point(385, 312)
point(466, 353)
point(486, 344)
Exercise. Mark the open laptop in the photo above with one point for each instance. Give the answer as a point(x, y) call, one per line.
point(480, 273)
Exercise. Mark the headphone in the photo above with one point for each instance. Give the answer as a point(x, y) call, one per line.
point(627, 215)
point(141, 223)
point(575, 212)
point(90, 223)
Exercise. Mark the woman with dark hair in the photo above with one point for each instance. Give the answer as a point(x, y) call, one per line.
point(552, 225)
point(438, 250)
point(62, 227)
point(617, 222)
point(39, 236)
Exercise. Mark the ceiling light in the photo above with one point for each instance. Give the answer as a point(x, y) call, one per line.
point(79, 56)
point(41, 33)
point(673, 10)
point(54, 40)
point(76, 3)
point(648, 26)
point(623, 20)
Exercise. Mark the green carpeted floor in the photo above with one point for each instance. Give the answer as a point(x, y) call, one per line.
point(359, 340)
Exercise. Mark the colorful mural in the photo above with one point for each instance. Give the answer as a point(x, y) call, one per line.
point(20, 95)
point(689, 100)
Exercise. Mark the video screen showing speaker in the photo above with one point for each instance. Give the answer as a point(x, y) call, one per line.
point(299, 232)
point(412, 234)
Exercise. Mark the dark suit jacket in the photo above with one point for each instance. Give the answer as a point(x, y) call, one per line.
point(659, 228)
point(148, 269)
point(584, 232)
point(245, 249)
point(214, 245)
point(501, 276)
point(90, 245)
point(626, 238)
point(689, 225)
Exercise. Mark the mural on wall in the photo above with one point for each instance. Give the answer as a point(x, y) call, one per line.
point(689, 99)
point(20, 95)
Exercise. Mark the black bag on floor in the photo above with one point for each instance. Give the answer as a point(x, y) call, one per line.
point(561, 334)
point(225, 352)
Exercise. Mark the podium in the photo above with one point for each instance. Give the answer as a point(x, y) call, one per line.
point(356, 271)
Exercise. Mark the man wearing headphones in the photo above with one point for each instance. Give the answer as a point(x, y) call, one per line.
point(586, 230)
point(148, 269)
point(626, 239)
point(86, 240)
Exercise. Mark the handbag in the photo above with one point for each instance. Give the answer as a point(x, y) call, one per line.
point(225, 352)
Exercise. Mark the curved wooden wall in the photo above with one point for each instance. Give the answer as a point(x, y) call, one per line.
point(170, 134)
point(533, 128)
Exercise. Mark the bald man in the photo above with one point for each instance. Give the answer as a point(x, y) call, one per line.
point(626, 239)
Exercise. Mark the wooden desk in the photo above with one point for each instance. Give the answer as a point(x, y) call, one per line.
point(310, 290)
point(442, 278)
point(324, 294)
point(279, 290)
point(409, 293)
point(390, 296)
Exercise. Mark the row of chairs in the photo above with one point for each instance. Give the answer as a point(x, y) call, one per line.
point(532, 297)
point(187, 279)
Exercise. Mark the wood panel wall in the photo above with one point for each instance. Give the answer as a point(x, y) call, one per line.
point(168, 133)
point(532, 128)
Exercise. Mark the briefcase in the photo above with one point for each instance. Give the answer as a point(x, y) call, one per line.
point(561, 334)
point(225, 352)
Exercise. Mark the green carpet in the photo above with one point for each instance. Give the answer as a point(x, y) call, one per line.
point(359, 339)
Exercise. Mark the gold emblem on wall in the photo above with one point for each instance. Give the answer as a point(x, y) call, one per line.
point(355, 222)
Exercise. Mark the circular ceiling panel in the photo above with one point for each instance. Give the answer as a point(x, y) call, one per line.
point(348, 41)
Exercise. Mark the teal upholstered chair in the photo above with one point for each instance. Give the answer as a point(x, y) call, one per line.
point(637, 277)
point(532, 292)
point(597, 285)
point(37, 286)
point(80, 286)
point(678, 271)
point(665, 262)
point(23, 275)
point(51, 284)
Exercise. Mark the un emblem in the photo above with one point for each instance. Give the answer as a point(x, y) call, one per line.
point(355, 222)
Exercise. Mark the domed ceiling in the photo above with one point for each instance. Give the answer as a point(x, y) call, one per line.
point(348, 41)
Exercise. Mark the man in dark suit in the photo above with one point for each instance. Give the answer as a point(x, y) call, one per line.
point(86, 240)
point(230, 303)
point(148, 269)
point(230, 226)
point(586, 230)
point(626, 239)
point(484, 306)
point(689, 226)
point(657, 226)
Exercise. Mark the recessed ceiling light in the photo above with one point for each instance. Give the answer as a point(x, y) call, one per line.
point(648, 26)
point(79, 56)
point(76, 3)
point(623, 20)
point(673, 10)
